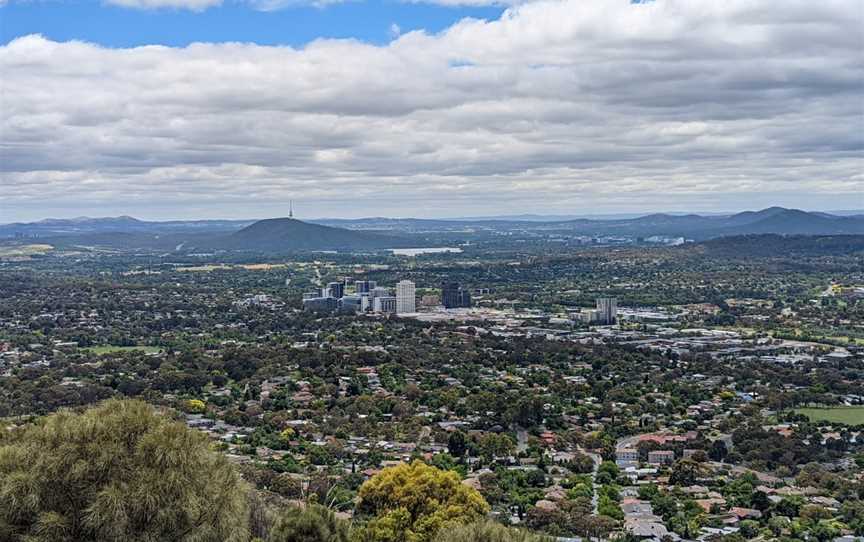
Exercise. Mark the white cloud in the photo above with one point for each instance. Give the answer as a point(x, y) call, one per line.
point(559, 105)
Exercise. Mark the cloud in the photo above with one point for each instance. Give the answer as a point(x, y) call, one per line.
point(557, 106)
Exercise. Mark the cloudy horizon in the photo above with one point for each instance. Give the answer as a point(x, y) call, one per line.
point(544, 107)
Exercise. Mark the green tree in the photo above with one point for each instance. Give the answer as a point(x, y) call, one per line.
point(457, 444)
point(313, 523)
point(119, 471)
point(685, 472)
point(412, 502)
point(493, 445)
point(489, 531)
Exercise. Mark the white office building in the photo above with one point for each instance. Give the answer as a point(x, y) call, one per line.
point(406, 300)
point(385, 304)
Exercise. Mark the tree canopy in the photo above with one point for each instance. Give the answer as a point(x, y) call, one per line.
point(120, 471)
point(412, 502)
point(489, 531)
point(313, 523)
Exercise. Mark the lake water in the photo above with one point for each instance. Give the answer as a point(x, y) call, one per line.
point(418, 251)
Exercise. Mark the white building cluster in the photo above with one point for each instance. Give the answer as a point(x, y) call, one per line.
point(367, 297)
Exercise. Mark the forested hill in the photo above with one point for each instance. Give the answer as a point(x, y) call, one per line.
point(769, 245)
point(280, 234)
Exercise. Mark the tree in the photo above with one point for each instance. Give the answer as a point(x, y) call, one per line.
point(685, 472)
point(749, 528)
point(852, 512)
point(457, 444)
point(489, 531)
point(313, 523)
point(609, 467)
point(607, 473)
point(718, 451)
point(413, 501)
point(115, 472)
point(609, 508)
point(492, 445)
point(195, 406)
point(598, 527)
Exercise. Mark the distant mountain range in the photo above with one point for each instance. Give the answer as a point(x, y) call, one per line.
point(125, 224)
point(286, 234)
point(772, 220)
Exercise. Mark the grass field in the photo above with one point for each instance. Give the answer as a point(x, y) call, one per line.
point(263, 266)
point(849, 415)
point(203, 268)
point(24, 251)
point(206, 268)
point(99, 350)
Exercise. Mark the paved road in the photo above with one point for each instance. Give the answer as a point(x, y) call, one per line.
point(597, 460)
point(521, 440)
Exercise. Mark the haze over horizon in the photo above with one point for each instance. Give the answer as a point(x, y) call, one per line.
point(192, 109)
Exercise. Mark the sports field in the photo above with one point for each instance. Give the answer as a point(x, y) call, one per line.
point(98, 350)
point(853, 415)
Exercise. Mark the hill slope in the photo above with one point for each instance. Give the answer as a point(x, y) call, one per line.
point(292, 234)
point(776, 220)
point(795, 222)
point(772, 245)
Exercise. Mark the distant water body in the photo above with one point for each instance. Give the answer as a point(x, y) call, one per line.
point(418, 251)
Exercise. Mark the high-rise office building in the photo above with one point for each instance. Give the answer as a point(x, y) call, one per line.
point(320, 304)
point(351, 303)
point(335, 290)
point(384, 304)
point(453, 296)
point(406, 297)
point(364, 286)
point(607, 310)
point(380, 291)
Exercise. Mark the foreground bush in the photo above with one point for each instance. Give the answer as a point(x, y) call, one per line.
point(412, 503)
point(117, 472)
point(313, 523)
point(488, 531)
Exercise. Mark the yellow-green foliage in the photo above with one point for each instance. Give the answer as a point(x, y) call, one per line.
point(195, 406)
point(413, 502)
point(117, 472)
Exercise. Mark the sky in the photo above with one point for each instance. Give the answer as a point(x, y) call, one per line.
point(173, 109)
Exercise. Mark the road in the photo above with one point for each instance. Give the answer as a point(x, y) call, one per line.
point(597, 460)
